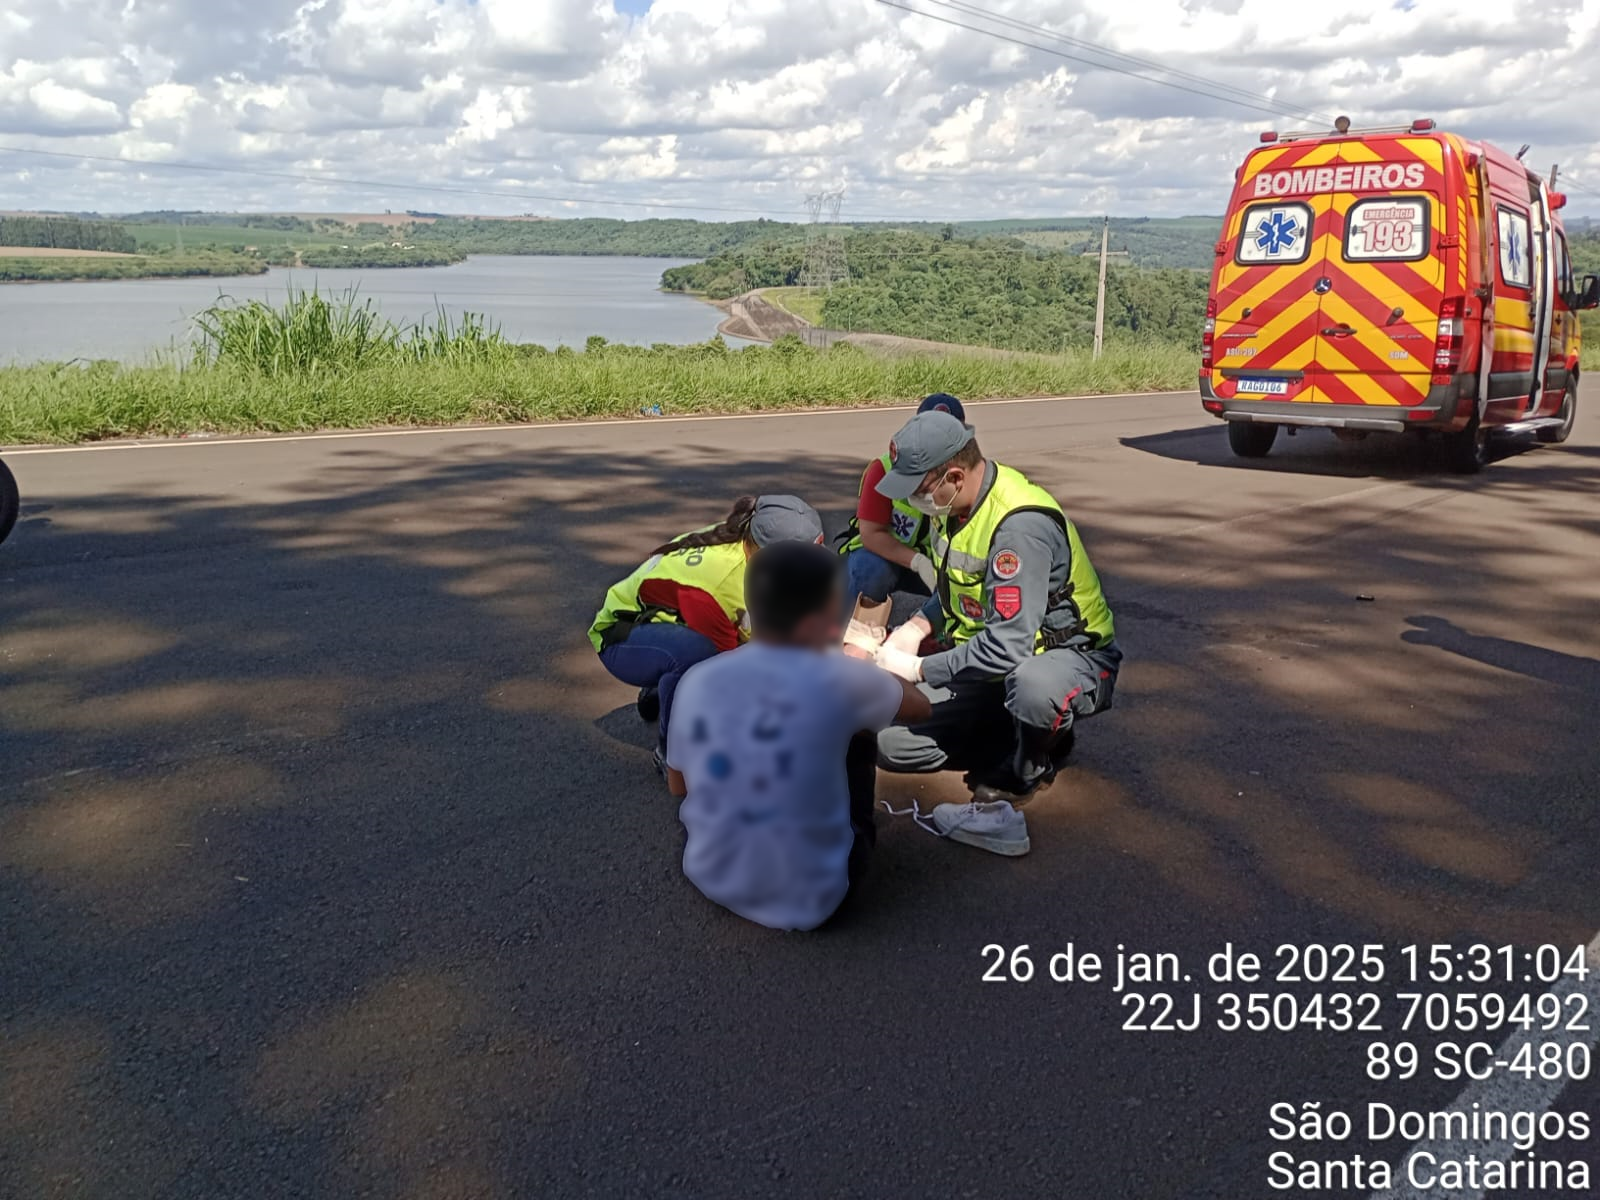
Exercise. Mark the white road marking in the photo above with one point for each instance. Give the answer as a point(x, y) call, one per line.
point(1507, 1094)
point(446, 430)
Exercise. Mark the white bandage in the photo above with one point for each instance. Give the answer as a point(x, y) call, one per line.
point(898, 662)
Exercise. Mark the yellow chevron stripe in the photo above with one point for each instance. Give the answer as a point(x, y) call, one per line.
point(1426, 149)
point(1268, 286)
point(1375, 392)
point(1370, 390)
point(1267, 336)
point(1359, 152)
point(1262, 160)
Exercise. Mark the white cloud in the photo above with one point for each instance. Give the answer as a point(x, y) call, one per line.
point(746, 104)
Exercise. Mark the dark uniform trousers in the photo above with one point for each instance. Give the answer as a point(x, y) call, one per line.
point(972, 725)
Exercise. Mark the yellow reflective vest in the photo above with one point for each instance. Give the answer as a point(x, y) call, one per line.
point(716, 570)
point(909, 526)
point(1077, 613)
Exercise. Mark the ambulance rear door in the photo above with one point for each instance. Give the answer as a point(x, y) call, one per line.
point(1392, 250)
point(1268, 310)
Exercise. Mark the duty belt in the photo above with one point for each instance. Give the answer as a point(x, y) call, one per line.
point(624, 623)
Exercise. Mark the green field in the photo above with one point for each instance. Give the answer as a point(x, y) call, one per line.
point(800, 302)
point(166, 237)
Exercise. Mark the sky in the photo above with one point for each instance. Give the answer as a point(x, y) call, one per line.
point(724, 110)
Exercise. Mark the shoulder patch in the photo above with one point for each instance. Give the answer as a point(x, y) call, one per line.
point(972, 608)
point(1007, 601)
point(1006, 564)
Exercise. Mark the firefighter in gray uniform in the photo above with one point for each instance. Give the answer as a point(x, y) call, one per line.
point(1026, 642)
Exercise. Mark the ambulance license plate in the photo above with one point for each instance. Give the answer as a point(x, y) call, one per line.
point(1262, 387)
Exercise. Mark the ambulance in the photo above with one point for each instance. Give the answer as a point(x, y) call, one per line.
point(1399, 280)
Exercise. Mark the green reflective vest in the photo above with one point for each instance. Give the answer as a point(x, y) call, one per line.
point(1077, 612)
point(909, 526)
point(717, 570)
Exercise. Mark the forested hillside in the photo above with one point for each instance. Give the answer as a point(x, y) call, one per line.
point(1146, 241)
point(65, 233)
point(987, 291)
point(670, 238)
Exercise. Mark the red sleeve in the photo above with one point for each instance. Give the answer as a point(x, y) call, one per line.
point(697, 610)
point(873, 505)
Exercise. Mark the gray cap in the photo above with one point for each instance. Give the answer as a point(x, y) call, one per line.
point(784, 519)
point(928, 440)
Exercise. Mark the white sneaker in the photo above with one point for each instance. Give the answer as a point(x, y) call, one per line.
point(996, 827)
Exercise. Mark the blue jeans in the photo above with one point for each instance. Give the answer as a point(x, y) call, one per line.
point(873, 576)
point(656, 656)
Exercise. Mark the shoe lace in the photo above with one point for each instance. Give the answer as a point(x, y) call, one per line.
point(916, 814)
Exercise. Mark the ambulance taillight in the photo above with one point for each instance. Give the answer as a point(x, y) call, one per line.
point(1447, 349)
point(1208, 335)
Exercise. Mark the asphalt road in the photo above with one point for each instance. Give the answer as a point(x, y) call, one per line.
point(332, 864)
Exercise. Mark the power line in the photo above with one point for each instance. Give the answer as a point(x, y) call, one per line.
point(1272, 108)
point(1569, 182)
point(1214, 85)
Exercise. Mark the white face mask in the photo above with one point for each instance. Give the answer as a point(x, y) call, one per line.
point(924, 502)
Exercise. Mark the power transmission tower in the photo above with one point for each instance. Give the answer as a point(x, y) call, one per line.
point(824, 264)
point(1100, 297)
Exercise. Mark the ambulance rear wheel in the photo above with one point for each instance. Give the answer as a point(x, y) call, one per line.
point(1468, 450)
point(1250, 440)
point(1568, 415)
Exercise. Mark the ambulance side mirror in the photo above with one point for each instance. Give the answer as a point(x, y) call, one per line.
point(1589, 296)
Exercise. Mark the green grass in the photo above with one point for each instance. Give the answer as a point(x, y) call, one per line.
point(799, 302)
point(500, 383)
point(314, 334)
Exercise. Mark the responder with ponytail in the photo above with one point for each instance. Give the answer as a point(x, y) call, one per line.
point(686, 601)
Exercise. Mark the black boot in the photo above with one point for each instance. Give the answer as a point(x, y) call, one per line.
point(1040, 754)
point(649, 704)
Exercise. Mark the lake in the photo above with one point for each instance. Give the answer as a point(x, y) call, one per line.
point(549, 300)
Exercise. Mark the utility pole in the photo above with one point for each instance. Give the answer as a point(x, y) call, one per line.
point(1555, 170)
point(1100, 299)
point(1100, 296)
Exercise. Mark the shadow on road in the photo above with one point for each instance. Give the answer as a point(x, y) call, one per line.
point(1317, 452)
point(328, 862)
point(1564, 670)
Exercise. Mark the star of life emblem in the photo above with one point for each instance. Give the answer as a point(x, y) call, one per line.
point(1514, 250)
point(1278, 233)
point(904, 524)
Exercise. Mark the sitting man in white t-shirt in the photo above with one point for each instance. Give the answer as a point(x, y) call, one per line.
point(773, 749)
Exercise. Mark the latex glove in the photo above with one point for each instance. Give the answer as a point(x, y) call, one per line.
point(897, 662)
point(909, 637)
point(923, 566)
